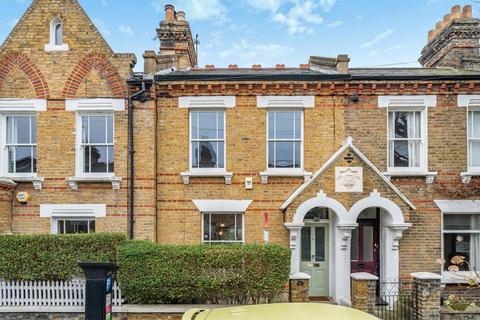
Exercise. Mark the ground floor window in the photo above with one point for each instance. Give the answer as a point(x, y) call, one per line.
point(71, 226)
point(461, 237)
point(222, 227)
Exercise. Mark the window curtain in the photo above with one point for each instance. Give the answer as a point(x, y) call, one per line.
point(475, 243)
point(414, 133)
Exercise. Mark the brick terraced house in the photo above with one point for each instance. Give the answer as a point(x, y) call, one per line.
point(355, 169)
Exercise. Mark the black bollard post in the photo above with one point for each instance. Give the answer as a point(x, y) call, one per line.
point(99, 284)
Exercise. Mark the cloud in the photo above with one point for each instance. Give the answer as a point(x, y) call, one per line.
point(197, 9)
point(297, 15)
point(379, 37)
point(245, 53)
point(102, 26)
point(327, 4)
point(126, 30)
point(104, 3)
point(335, 24)
point(389, 49)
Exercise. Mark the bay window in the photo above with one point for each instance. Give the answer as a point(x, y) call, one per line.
point(222, 227)
point(461, 237)
point(73, 225)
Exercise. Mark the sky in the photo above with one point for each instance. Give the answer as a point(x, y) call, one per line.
point(373, 33)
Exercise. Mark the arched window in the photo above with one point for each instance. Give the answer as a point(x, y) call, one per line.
point(58, 34)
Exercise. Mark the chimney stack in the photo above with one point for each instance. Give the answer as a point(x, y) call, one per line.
point(454, 39)
point(176, 41)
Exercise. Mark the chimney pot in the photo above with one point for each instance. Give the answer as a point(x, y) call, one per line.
point(280, 66)
point(438, 26)
point(456, 12)
point(169, 12)
point(431, 34)
point(232, 66)
point(257, 66)
point(180, 16)
point(209, 66)
point(467, 12)
point(447, 18)
point(304, 66)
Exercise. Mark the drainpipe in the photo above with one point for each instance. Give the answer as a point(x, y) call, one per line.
point(131, 151)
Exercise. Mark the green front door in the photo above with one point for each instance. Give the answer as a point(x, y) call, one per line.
point(314, 258)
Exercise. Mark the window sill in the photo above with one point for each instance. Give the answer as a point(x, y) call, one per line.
point(53, 48)
point(74, 181)
point(284, 173)
point(429, 176)
point(459, 277)
point(206, 174)
point(467, 176)
point(36, 181)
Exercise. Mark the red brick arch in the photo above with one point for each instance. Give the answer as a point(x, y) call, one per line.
point(36, 77)
point(106, 69)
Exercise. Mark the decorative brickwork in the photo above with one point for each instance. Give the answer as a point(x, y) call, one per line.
point(36, 77)
point(106, 69)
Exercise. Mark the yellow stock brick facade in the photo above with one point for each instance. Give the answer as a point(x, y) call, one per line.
point(344, 127)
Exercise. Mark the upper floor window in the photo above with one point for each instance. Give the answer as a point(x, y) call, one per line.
point(97, 143)
point(474, 140)
point(207, 139)
point(285, 133)
point(21, 144)
point(56, 36)
point(407, 140)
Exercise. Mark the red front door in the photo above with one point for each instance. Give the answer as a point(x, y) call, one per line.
point(365, 247)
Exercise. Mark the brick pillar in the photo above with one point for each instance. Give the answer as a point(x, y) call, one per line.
point(363, 294)
point(299, 285)
point(426, 295)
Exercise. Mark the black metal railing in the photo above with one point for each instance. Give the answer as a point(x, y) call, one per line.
point(395, 300)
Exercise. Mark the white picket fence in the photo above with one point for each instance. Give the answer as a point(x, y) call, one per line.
point(69, 293)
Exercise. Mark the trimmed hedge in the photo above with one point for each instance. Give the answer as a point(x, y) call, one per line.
point(154, 274)
point(54, 257)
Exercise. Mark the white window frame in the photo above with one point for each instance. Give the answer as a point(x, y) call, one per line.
point(410, 103)
point(55, 221)
point(12, 107)
point(470, 111)
point(455, 207)
point(79, 155)
point(190, 148)
point(213, 104)
point(222, 241)
point(285, 103)
point(470, 103)
point(53, 46)
point(423, 141)
point(5, 145)
point(287, 171)
point(457, 277)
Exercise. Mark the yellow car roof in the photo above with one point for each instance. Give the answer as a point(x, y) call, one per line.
point(280, 311)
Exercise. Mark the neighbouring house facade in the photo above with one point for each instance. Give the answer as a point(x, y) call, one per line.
point(355, 169)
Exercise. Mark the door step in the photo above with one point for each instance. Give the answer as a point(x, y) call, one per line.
point(322, 300)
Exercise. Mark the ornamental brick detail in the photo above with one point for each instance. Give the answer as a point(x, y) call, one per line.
point(106, 69)
point(22, 61)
